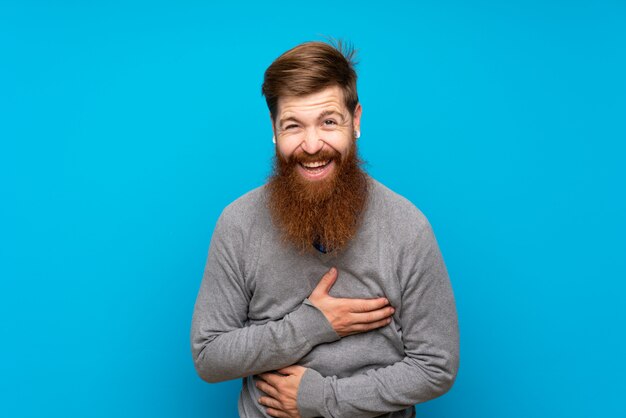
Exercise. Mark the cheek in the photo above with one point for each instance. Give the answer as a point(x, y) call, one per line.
point(340, 143)
point(286, 149)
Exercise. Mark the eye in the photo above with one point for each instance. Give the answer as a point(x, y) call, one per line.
point(292, 126)
point(329, 122)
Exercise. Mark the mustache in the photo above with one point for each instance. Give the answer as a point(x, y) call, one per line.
point(322, 155)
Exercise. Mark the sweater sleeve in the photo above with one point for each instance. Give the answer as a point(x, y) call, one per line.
point(429, 327)
point(223, 345)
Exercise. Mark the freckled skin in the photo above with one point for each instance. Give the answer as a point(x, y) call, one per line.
point(313, 123)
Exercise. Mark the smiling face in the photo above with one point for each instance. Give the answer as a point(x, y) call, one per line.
point(315, 132)
point(318, 189)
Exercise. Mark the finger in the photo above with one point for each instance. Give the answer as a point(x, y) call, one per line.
point(268, 389)
point(372, 316)
point(276, 413)
point(365, 305)
point(358, 328)
point(289, 370)
point(271, 378)
point(326, 282)
point(270, 402)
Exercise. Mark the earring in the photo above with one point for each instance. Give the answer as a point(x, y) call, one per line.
point(357, 134)
point(273, 139)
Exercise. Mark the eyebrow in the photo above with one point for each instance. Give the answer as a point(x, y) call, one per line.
point(290, 118)
point(321, 116)
point(330, 112)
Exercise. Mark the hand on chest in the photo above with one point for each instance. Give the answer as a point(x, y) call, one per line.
point(279, 287)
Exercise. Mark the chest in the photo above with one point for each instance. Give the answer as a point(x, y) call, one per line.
point(282, 278)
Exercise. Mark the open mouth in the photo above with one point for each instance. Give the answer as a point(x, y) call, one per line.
point(315, 169)
point(316, 165)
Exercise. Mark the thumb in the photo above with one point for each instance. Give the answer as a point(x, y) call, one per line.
point(326, 282)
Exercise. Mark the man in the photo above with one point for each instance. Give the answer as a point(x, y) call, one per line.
point(325, 291)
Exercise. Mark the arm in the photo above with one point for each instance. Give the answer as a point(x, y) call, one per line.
point(223, 346)
point(430, 333)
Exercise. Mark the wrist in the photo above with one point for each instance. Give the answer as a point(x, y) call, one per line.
point(310, 396)
point(314, 324)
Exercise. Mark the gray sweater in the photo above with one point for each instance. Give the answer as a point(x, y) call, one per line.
point(252, 314)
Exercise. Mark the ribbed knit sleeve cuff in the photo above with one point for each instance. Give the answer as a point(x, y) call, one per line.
point(310, 398)
point(313, 324)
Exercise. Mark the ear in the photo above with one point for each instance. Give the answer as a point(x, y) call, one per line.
point(356, 119)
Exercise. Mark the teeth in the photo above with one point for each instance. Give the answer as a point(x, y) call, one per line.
point(315, 164)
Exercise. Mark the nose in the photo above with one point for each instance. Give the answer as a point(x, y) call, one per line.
point(312, 142)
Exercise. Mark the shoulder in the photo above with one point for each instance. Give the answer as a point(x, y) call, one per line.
point(247, 208)
point(398, 215)
point(239, 228)
point(244, 216)
point(403, 231)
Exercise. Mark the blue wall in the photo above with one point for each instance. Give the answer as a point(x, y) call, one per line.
point(126, 127)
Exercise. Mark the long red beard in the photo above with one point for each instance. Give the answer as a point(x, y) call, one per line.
point(326, 212)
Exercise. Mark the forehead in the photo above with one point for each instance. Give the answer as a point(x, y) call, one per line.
point(330, 98)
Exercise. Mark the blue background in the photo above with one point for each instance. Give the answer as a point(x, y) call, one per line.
point(126, 127)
